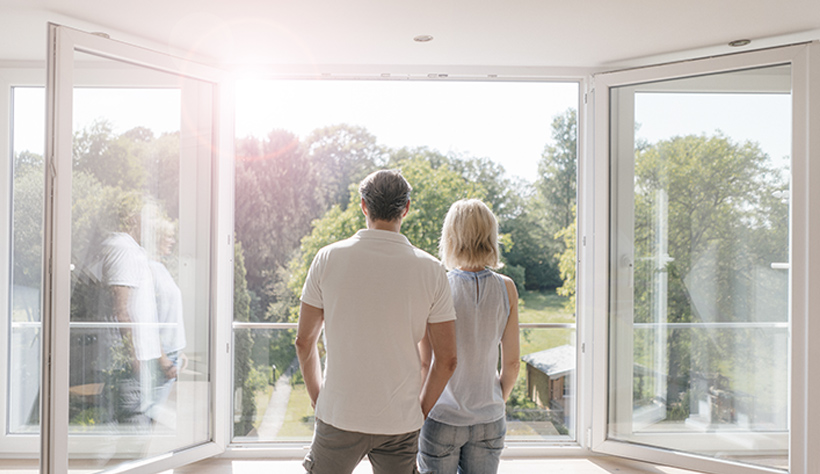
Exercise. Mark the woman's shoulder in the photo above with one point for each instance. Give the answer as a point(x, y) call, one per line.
point(508, 282)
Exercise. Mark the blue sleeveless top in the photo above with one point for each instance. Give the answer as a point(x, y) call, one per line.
point(473, 394)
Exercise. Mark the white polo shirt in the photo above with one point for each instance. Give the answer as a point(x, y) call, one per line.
point(378, 293)
point(124, 263)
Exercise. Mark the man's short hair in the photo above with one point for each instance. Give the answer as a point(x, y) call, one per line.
point(469, 237)
point(386, 194)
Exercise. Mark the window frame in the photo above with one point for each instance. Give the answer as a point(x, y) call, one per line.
point(804, 60)
point(63, 42)
point(12, 75)
point(580, 76)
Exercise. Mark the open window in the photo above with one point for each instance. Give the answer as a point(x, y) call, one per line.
point(695, 355)
point(137, 257)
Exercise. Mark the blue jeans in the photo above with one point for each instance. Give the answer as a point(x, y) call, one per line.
point(474, 449)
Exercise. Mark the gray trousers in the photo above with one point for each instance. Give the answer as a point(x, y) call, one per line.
point(336, 451)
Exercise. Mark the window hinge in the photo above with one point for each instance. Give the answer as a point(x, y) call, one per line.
point(583, 348)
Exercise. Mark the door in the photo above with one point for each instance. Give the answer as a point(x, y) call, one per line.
point(137, 257)
point(698, 355)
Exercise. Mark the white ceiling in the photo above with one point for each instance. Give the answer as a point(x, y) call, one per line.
point(323, 33)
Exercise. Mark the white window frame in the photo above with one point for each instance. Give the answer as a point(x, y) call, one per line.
point(63, 42)
point(11, 75)
point(805, 62)
point(513, 449)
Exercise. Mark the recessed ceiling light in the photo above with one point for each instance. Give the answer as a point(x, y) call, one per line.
point(423, 38)
point(738, 43)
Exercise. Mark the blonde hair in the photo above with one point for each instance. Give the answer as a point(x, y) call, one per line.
point(469, 237)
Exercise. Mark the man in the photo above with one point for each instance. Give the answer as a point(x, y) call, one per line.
point(376, 295)
point(126, 272)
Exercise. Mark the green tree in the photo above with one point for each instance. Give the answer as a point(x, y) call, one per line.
point(275, 203)
point(724, 225)
point(547, 210)
point(567, 263)
point(434, 190)
point(341, 155)
point(27, 219)
point(109, 158)
point(243, 345)
point(557, 170)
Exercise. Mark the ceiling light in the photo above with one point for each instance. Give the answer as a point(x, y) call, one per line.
point(422, 38)
point(738, 43)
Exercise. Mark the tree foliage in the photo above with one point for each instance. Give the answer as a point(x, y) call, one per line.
point(341, 154)
point(567, 263)
point(275, 203)
point(557, 170)
point(243, 345)
point(435, 188)
point(548, 209)
point(724, 225)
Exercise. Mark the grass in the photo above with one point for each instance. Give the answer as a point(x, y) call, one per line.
point(544, 307)
point(533, 307)
point(261, 398)
point(299, 416)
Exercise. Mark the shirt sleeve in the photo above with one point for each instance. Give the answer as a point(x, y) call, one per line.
point(442, 309)
point(312, 290)
point(121, 266)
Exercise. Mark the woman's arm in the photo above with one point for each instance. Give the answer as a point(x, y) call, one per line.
point(510, 350)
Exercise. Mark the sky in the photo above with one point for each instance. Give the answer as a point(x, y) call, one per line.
point(761, 118)
point(508, 122)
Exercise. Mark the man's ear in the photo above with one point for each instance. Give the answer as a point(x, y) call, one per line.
point(364, 207)
point(406, 209)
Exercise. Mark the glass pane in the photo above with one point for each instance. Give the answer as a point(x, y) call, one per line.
point(271, 402)
point(297, 175)
point(700, 314)
point(542, 403)
point(139, 351)
point(27, 183)
point(270, 399)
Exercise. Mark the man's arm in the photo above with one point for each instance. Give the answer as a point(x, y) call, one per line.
point(121, 296)
point(426, 356)
point(442, 339)
point(311, 319)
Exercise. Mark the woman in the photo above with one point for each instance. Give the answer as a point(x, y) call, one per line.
point(464, 431)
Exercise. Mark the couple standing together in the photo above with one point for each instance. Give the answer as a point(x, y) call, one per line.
point(411, 371)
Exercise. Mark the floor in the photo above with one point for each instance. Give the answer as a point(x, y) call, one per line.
point(593, 465)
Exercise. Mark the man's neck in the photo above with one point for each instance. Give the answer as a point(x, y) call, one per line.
point(392, 226)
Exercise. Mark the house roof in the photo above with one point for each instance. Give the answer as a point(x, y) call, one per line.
point(555, 362)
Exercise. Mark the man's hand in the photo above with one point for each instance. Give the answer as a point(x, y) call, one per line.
point(442, 340)
point(168, 367)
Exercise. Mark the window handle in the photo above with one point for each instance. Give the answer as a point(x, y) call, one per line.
point(626, 262)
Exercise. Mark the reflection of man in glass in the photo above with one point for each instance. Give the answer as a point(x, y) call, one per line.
point(127, 275)
point(169, 316)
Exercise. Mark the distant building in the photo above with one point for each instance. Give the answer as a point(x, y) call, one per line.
point(550, 377)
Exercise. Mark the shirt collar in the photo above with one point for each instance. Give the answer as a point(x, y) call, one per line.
point(375, 234)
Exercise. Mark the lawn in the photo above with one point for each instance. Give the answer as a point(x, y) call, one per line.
point(299, 416)
point(534, 307)
point(544, 307)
